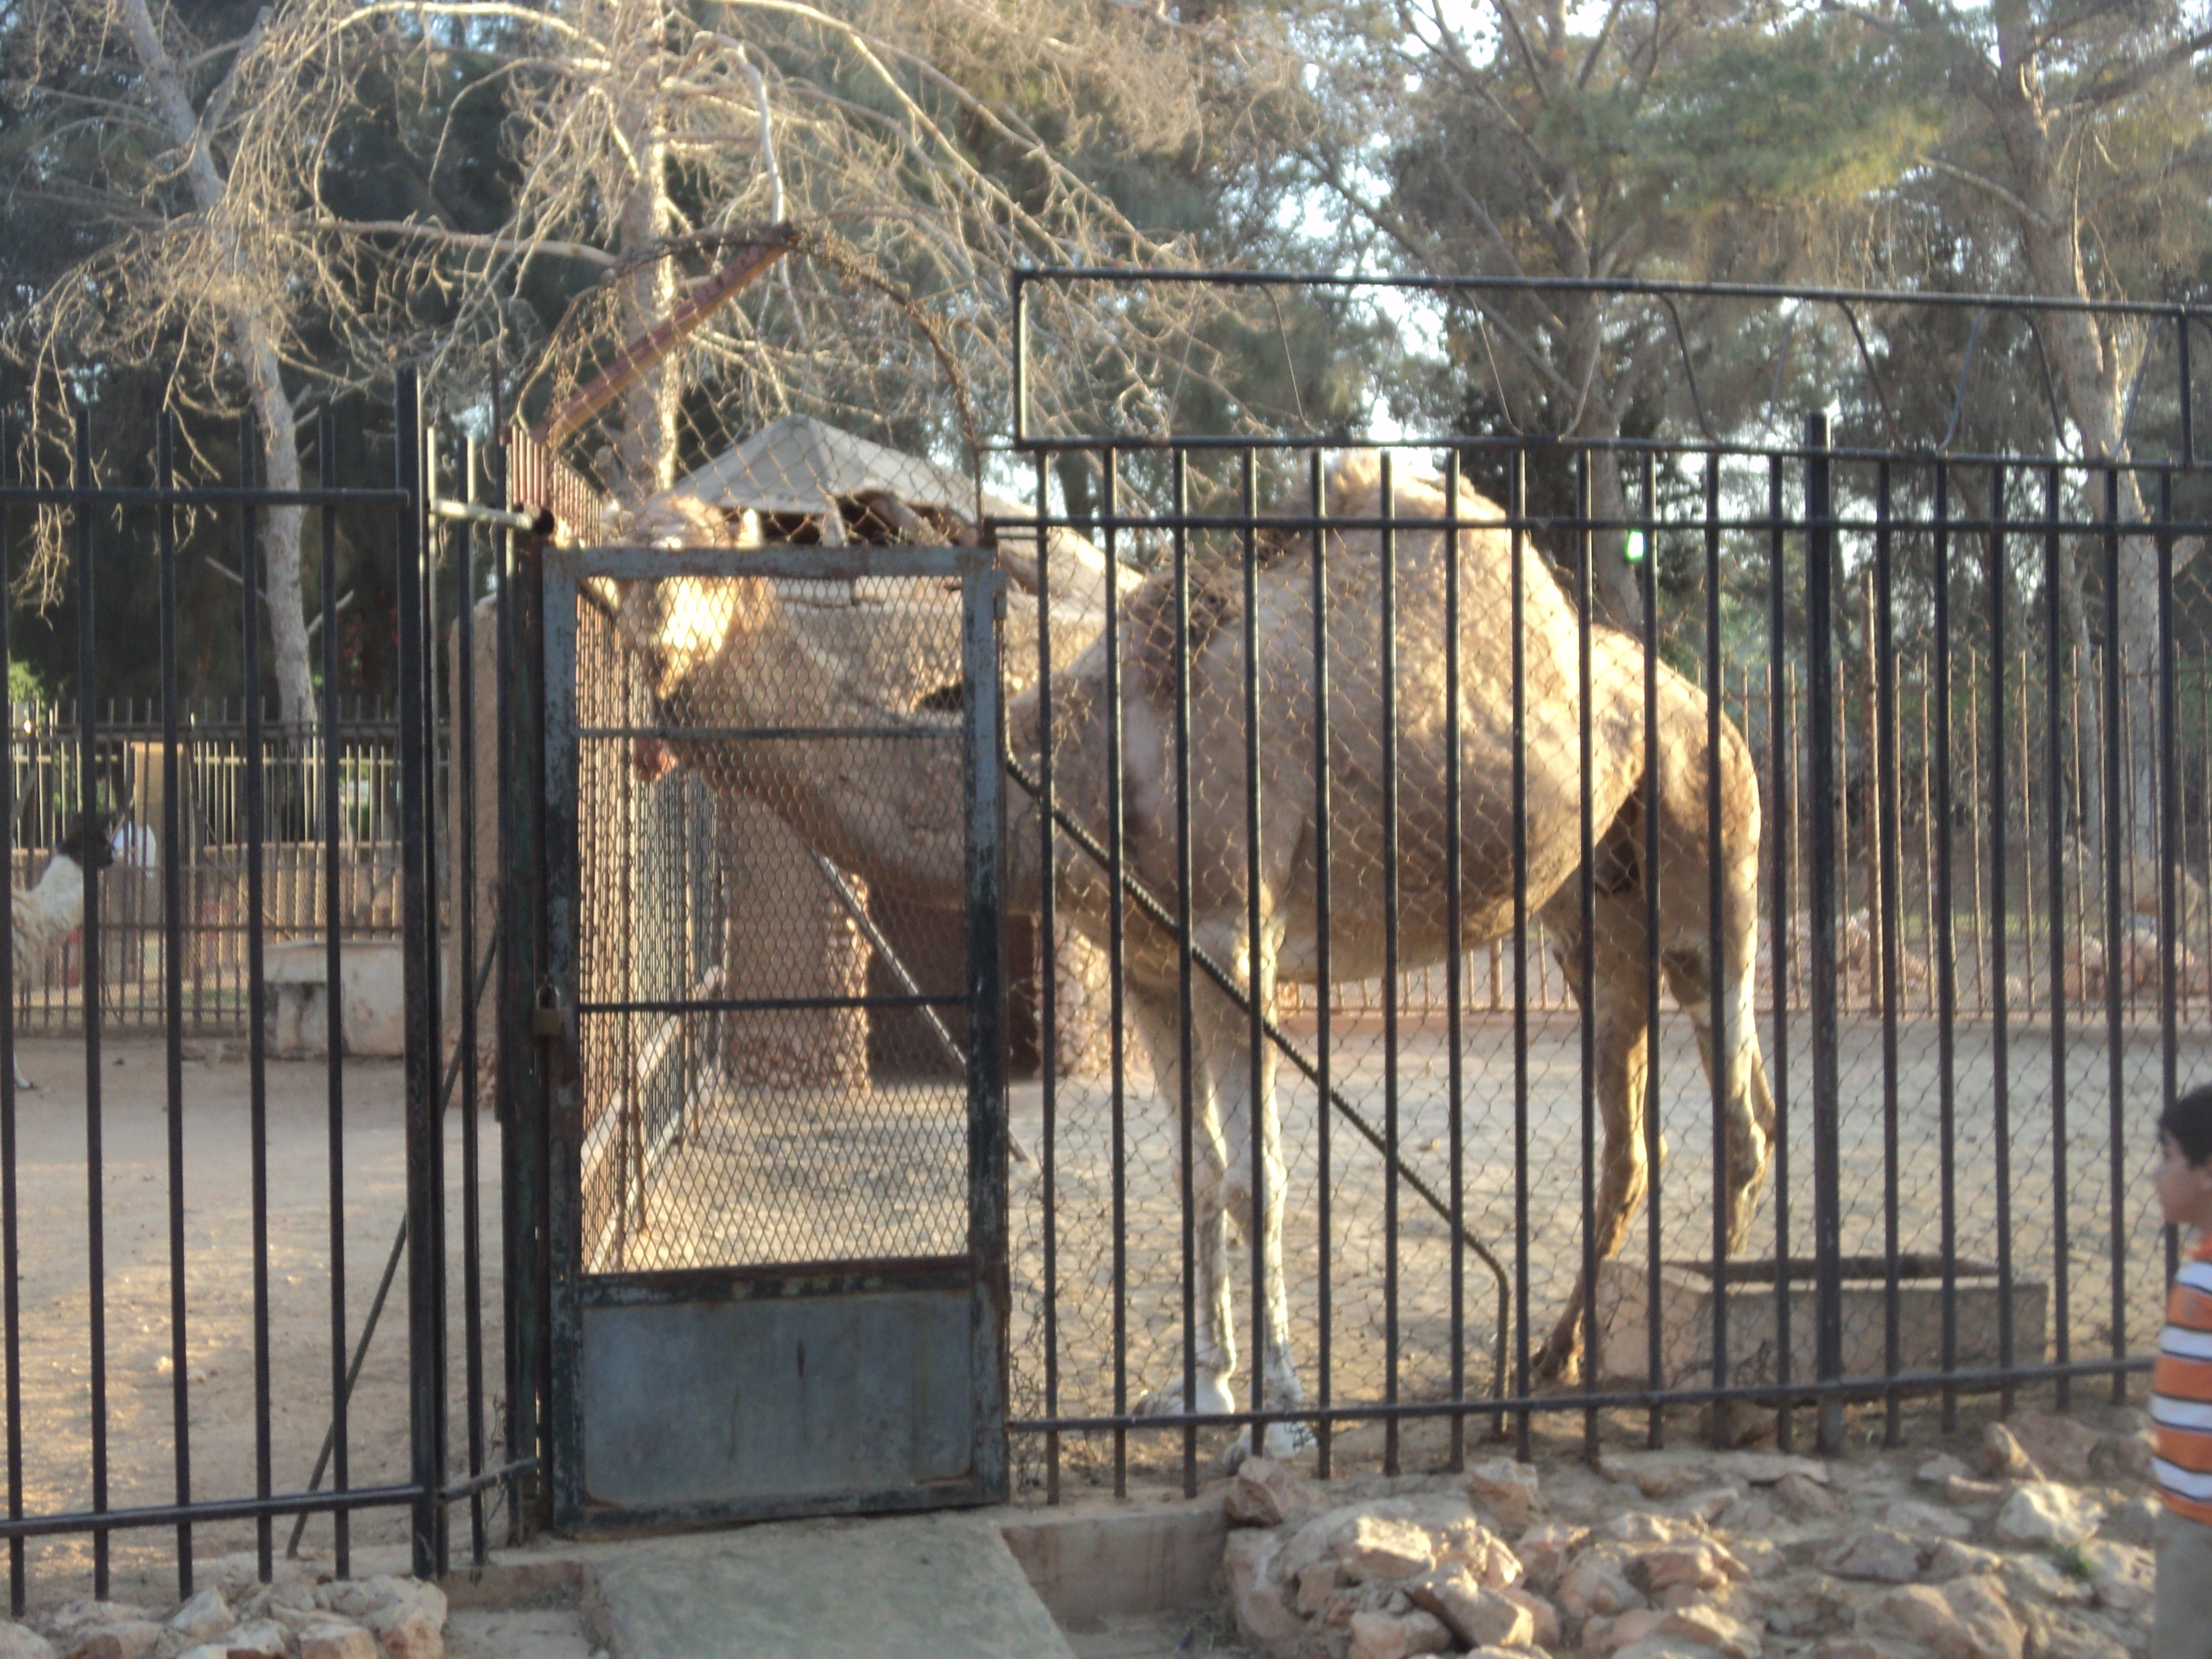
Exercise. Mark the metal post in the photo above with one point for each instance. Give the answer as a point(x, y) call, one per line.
point(426, 1378)
point(1821, 785)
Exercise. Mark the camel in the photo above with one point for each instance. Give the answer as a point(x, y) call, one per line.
point(734, 653)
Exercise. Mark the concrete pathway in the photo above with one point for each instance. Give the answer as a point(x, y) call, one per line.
point(923, 1587)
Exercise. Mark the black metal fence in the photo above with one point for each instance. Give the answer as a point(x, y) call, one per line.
point(1941, 898)
point(188, 1340)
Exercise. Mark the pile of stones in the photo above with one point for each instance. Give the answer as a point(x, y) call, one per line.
point(379, 1618)
point(2038, 1549)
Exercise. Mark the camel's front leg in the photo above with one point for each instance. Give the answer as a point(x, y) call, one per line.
point(1225, 1032)
point(1621, 1008)
point(1205, 1387)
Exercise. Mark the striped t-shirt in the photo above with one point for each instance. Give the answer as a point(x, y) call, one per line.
point(2181, 1391)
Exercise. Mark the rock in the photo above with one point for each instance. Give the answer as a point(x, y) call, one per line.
point(1546, 1550)
point(2059, 1446)
point(203, 1616)
point(1876, 1552)
point(1707, 1503)
point(1316, 1584)
point(1941, 1467)
point(1505, 1488)
point(2003, 1458)
point(2125, 1455)
point(66, 1620)
point(1953, 1559)
point(22, 1642)
point(1769, 1468)
point(1637, 1527)
point(1265, 1494)
point(1919, 1520)
point(1803, 1498)
point(1543, 1617)
point(1751, 1514)
point(1256, 1596)
point(1969, 1493)
point(2052, 1635)
point(121, 1638)
point(2032, 1578)
point(404, 1632)
point(1855, 1647)
point(1382, 1550)
point(262, 1639)
point(1760, 1556)
point(1395, 1636)
point(1479, 1617)
point(2044, 1514)
point(1709, 1626)
point(1666, 1480)
point(1468, 1543)
point(1665, 1645)
point(1603, 1635)
point(1596, 1584)
point(2120, 1575)
point(331, 1640)
point(2134, 1522)
point(385, 1591)
point(1967, 1618)
point(1800, 1604)
point(1700, 1563)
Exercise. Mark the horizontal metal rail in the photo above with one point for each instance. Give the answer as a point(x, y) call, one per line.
point(766, 1005)
point(768, 733)
point(201, 495)
point(1979, 1380)
point(217, 1509)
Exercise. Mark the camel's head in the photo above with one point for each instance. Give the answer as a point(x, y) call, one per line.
point(675, 625)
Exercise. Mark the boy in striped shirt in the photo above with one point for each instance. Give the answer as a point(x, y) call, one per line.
point(2181, 1390)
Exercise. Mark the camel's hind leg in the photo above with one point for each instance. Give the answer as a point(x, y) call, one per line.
point(1620, 1011)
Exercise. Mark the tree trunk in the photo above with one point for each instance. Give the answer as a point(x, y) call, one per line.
point(255, 338)
point(646, 452)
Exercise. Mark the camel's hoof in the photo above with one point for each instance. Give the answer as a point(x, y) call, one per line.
point(1283, 1441)
point(1213, 1394)
point(1557, 1367)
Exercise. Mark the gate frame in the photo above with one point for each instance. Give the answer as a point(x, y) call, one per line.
point(983, 1267)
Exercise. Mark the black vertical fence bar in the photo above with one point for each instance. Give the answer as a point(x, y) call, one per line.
point(1946, 971)
point(464, 787)
point(1586, 963)
point(1648, 590)
point(1386, 670)
point(1186, 1094)
point(10, 1293)
point(1887, 908)
point(1117, 981)
point(1454, 945)
point(257, 1053)
point(95, 1155)
point(1722, 1039)
point(172, 990)
point(426, 1386)
point(2055, 576)
point(1048, 989)
point(1258, 994)
point(426, 589)
point(1821, 803)
point(1516, 511)
point(1778, 910)
point(2170, 853)
point(2000, 1081)
point(326, 461)
point(1324, 983)
point(2111, 839)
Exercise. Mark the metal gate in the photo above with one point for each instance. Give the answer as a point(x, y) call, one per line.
point(778, 1287)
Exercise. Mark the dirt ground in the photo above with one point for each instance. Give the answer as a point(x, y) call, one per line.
point(1356, 1249)
point(54, 1289)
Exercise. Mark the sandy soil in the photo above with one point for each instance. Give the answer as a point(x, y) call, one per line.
point(54, 1289)
point(1356, 1249)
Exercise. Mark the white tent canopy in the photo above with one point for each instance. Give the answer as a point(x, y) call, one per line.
point(796, 463)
